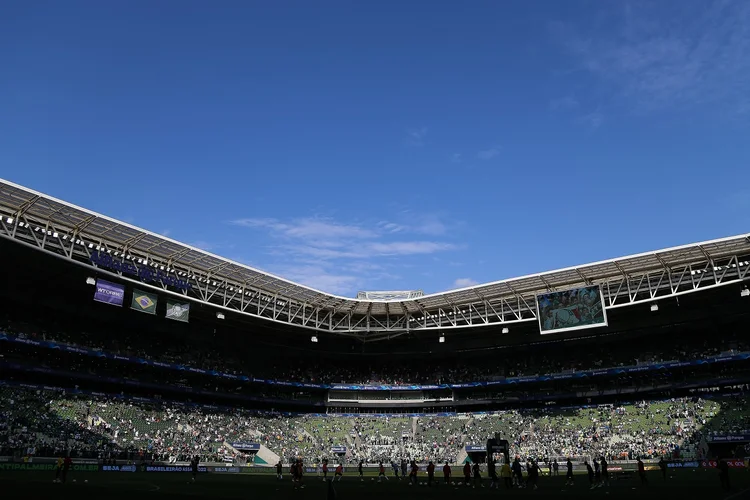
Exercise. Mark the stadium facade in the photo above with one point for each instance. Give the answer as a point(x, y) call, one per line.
point(198, 338)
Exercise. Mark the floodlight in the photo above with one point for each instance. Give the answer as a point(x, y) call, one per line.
point(745, 292)
point(442, 339)
point(219, 315)
point(90, 281)
point(506, 330)
point(314, 339)
point(654, 307)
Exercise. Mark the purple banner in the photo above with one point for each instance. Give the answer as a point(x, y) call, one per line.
point(109, 293)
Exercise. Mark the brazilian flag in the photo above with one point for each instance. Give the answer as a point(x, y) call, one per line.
point(144, 302)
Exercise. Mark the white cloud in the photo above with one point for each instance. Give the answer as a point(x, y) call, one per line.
point(391, 227)
point(464, 282)
point(337, 257)
point(593, 120)
point(308, 227)
point(416, 137)
point(489, 154)
point(321, 278)
point(564, 103)
point(655, 57)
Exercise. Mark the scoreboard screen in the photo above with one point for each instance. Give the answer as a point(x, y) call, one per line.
point(573, 309)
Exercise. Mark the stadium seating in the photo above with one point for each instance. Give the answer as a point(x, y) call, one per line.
point(544, 360)
point(52, 422)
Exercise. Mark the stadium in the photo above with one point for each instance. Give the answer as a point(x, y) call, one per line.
point(138, 358)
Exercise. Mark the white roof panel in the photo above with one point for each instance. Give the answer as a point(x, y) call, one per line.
point(15, 199)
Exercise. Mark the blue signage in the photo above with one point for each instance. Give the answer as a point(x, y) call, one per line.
point(729, 438)
point(144, 272)
point(246, 446)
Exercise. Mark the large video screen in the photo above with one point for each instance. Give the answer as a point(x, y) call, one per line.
point(571, 310)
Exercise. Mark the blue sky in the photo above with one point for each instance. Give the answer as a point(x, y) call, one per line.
point(387, 145)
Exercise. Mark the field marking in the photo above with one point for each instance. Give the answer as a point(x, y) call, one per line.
point(155, 487)
point(737, 495)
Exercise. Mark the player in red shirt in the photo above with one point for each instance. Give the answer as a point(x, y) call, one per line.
point(325, 469)
point(381, 474)
point(339, 472)
point(467, 473)
point(67, 464)
point(413, 473)
point(430, 473)
point(447, 473)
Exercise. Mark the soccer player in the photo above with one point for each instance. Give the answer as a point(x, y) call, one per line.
point(534, 474)
point(360, 468)
point(569, 477)
point(494, 483)
point(518, 473)
point(447, 473)
point(394, 466)
point(381, 473)
point(605, 472)
point(723, 467)
point(556, 467)
point(591, 474)
point(58, 469)
point(430, 473)
point(403, 467)
point(477, 475)
point(467, 474)
point(506, 473)
point(194, 466)
point(413, 473)
point(67, 463)
point(300, 473)
point(597, 473)
point(325, 469)
point(279, 474)
point(642, 471)
point(663, 467)
point(339, 472)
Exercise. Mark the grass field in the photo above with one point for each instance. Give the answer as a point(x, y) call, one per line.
point(682, 484)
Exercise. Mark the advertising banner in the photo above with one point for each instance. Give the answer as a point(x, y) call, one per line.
point(473, 449)
point(144, 302)
point(729, 438)
point(246, 446)
point(178, 311)
point(29, 466)
point(736, 463)
point(109, 293)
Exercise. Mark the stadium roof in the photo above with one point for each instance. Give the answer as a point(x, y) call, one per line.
point(22, 203)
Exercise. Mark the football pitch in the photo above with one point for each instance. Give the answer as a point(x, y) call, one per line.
point(699, 483)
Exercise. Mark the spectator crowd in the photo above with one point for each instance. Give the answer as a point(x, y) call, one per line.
point(52, 422)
